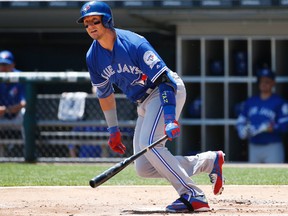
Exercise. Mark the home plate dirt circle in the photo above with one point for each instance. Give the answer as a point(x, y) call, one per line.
point(137, 200)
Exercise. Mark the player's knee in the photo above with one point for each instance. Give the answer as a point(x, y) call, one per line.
point(141, 170)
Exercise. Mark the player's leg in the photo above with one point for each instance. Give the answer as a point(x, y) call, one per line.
point(167, 165)
point(193, 165)
point(254, 153)
point(274, 153)
point(199, 163)
point(209, 162)
point(142, 165)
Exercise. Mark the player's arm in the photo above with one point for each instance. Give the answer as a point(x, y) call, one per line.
point(108, 106)
point(242, 127)
point(14, 109)
point(157, 71)
point(2, 110)
point(242, 124)
point(105, 93)
point(281, 124)
point(168, 88)
point(245, 128)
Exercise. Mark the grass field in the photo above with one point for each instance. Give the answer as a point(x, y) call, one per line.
point(23, 174)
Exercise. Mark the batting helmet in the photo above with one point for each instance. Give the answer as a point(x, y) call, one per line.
point(97, 8)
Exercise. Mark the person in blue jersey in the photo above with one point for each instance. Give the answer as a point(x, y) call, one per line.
point(12, 95)
point(263, 120)
point(127, 60)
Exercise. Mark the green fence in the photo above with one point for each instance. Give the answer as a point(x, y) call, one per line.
point(47, 137)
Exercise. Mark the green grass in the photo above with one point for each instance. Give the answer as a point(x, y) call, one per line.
point(23, 174)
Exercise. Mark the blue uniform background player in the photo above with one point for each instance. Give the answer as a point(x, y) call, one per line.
point(127, 60)
point(263, 121)
point(12, 97)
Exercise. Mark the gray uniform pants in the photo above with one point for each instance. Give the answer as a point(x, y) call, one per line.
point(159, 162)
point(269, 153)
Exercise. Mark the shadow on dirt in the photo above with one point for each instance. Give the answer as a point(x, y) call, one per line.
point(144, 212)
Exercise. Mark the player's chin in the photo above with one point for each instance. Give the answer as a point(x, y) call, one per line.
point(94, 35)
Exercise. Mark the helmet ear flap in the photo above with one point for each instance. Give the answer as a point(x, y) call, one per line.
point(107, 21)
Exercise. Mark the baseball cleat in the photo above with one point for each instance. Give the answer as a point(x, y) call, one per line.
point(216, 177)
point(187, 203)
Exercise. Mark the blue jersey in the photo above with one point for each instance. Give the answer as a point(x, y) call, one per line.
point(11, 93)
point(133, 66)
point(273, 110)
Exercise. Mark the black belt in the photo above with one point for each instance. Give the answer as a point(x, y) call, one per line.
point(143, 98)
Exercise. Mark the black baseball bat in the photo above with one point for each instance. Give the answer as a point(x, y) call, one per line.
point(103, 177)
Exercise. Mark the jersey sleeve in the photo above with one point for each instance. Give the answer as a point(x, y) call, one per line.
point(103, 85)
point(282, 118)
point(150, 62)
point(242, 122)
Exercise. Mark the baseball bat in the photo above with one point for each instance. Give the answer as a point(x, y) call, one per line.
point(103, 177)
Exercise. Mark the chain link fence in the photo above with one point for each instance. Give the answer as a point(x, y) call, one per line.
point(81, 139)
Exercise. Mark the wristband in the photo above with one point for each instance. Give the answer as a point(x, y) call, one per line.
point(168, 102)
point(113, 129)
point(169, 113)
point(167, 95)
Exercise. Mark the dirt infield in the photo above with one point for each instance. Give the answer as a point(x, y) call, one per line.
point(136, 200)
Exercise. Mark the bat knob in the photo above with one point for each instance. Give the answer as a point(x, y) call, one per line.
point(92, 183)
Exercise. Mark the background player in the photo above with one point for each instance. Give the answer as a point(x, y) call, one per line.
point(12, 96)
point(263, 119)
point(128, 60)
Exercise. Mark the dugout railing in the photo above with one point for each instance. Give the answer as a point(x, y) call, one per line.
point(47, 138)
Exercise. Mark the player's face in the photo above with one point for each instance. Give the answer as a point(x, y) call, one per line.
point(6, 67)
point(266, 84)
point(94, 27)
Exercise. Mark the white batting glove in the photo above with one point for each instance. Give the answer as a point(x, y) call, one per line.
point(264, 127)
point(243, 132)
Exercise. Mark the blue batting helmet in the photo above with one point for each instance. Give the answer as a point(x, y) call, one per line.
point(97, 8)
point(6, 57)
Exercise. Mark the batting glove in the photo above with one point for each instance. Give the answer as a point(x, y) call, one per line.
point(265, 127)
point(243, 132)
point(172, 129)
point(115, 140)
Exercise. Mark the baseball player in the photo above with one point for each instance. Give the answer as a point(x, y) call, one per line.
point(12, 95)
point(263, 119)
point(127, 60)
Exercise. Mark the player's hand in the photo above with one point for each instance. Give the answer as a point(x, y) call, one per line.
point(265, 127)
point(243, 132)
point(115, 142)
point(2, 110)
point(172, 129)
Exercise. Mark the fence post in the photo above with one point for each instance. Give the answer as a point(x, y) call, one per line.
point(30, 122)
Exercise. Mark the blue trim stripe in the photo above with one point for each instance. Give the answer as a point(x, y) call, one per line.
point(162, 159)
point(155, 125)
point(159, 73)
